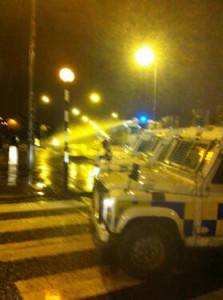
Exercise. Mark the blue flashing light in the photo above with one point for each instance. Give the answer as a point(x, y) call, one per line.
point(143, 120)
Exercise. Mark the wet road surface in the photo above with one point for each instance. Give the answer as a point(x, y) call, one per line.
point(48, 252)
point(47, 174)
point(47, 249)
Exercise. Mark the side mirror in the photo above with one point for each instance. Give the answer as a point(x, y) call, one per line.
point(135, 172)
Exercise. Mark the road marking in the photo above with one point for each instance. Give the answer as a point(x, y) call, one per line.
point(83, 283)
point(46, 247)
point(77, 271)
point(42, 222)
point(40, 205)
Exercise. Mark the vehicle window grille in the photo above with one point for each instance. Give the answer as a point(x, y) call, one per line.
point(154, 142)
point(163, 152)
point(144, 146)
point(167, 150)
point(188, 154)
point(179, 152)
point(195, 155)
point(149, 146)
point(135, 144)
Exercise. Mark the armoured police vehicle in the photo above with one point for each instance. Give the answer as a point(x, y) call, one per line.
point(151, 214)
point(147, 148)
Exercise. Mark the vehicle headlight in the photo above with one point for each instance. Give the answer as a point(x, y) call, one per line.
point(108, 204)
point(96, 171)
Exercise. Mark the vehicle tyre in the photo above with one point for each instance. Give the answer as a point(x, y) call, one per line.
point(146, 250)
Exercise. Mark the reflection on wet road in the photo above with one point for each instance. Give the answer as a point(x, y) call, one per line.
point(49, 171)
point(81, 176)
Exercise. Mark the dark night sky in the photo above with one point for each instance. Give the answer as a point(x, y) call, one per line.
point(98, 39)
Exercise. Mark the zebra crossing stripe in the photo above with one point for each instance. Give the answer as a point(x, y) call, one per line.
point(45, 247)
point(89, 282)
point(58, 267)
point(40, 205)
point(41, 222)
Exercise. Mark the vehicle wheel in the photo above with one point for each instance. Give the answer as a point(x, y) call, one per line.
point(145, 250)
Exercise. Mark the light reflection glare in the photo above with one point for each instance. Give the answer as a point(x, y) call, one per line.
point(13, 155)
point(90, 180)
point(40, 193)
point(55, 142)
point(87, 134)
point(51, 296)
point(40, 185)
point(81, 176)
point(12, 174)
point(44, 176)
point(209, 155)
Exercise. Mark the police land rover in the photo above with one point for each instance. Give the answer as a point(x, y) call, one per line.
point(147, 149)
point(151, 214)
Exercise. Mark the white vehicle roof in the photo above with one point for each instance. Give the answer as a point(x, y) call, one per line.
point(205, 133)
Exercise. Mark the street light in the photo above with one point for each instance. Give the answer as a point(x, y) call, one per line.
point(85, 119)
point(76, 111)
point(67, 76)
point(13, 123)
point(145, 57)
point(95, 97)
point(114, 115)
point(45, 99)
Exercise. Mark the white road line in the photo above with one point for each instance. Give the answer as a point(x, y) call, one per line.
point(79, 284)
point(44, 247)
point(40, 205)
point(41, 222)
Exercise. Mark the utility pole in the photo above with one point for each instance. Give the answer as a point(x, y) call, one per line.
point(31, 100)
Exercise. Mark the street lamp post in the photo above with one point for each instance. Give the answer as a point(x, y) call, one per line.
point(155, 91)
point(67, 76)
point(31, 100)
point(144, 57)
